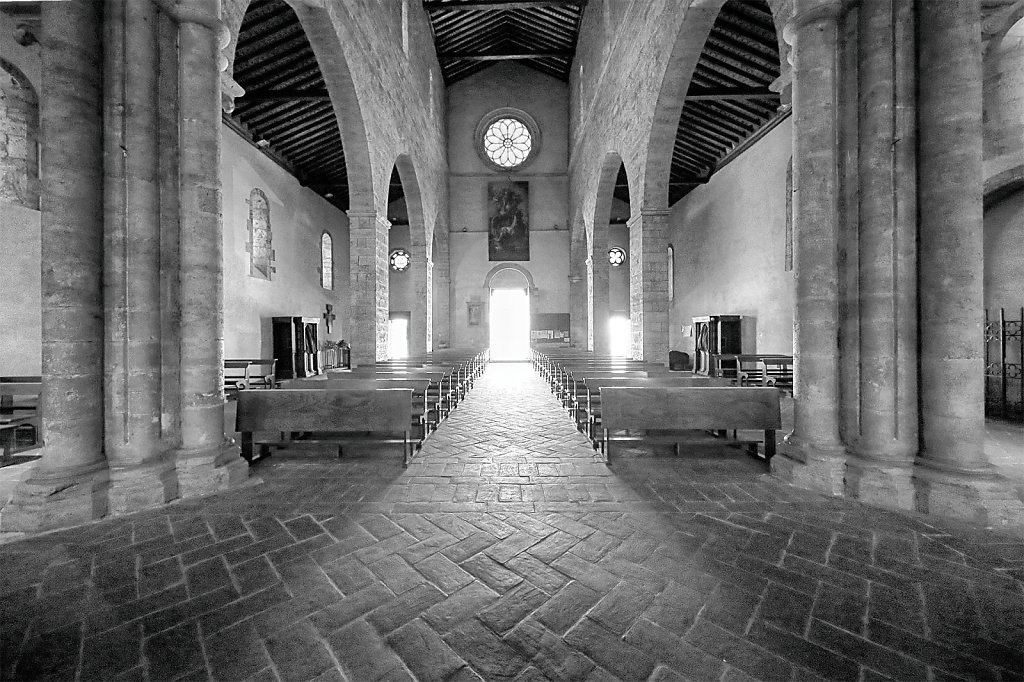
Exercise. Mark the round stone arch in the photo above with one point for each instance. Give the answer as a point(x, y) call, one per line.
point(329, 48)
point(697, 22)
point(1002, 184)
point(497, 269)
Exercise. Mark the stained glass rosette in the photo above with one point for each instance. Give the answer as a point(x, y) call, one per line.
point(507, 142)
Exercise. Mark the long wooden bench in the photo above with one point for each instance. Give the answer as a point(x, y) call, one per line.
point(588, 411)
point(19, 407)
point(425, 398)
point(665, 414)
point(246, 373)
point(342, 416)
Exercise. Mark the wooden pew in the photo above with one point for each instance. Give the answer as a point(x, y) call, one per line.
point(340, 416)
point(19, 407)
point(246, 373)
point(666, 413)
point(444, 382)
point(424, 401)
point(590, 407)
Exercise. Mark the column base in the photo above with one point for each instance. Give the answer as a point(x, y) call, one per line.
point(982, 498)
point(819, 469)
point(203, 472)
point(881, 483)
point(133, 488)
point(40, 504)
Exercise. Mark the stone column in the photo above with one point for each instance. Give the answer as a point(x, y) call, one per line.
point(68, 485)
point(206, 461)
point(441, 286)
point(887, 438)
point(170, 227)
point(648, 284)
point(140, 476)
point(954, 471)
point(578, 308)
point(421, 270)
point(368, 284)
point(814, 454)
point(598, 318)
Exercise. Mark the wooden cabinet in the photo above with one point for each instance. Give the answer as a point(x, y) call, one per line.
point(714, 335)
point(296, 346)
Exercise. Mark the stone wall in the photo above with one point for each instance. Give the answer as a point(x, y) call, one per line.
point(298, 218)
point(469, 100)
point(21, 311)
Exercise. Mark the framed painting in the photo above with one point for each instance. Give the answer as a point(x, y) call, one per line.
point(508, 221)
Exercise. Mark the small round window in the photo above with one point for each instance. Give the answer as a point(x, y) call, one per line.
point(400, 260)
point(507, 139)
point(616, 256)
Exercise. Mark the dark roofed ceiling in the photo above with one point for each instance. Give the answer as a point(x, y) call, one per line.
point(470, 35)
point(728, 101)
point(286, 110)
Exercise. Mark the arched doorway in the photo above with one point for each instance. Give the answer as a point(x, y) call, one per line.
point(510, 294)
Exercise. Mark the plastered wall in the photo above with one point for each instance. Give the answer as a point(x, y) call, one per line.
point(20, 299)
point(1004, 255)
point(546, 100)
point(730, 244)
point(298, 217)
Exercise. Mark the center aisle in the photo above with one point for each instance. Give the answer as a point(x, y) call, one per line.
point(508, 551)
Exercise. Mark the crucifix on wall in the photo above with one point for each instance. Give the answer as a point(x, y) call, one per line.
point(329, 316)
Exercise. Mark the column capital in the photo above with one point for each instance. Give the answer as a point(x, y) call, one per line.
point(807, 12)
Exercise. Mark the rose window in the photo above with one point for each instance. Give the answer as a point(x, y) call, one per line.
point(507, 142)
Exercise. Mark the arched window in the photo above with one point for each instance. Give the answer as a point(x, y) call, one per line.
point(260, 254)
point(671, 272)
point(326, 261)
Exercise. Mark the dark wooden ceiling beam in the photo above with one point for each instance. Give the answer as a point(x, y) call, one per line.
point(699, 93)
point(285, 93)
point(493, 5)
point(485, 57)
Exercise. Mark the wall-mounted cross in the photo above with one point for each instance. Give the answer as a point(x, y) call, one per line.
point(329, 316)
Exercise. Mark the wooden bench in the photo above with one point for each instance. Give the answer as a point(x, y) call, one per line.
point(374, 415)
point(425, 410)
point(665, 413)
point(246, 373)
point(588, 415)
point(19, 407)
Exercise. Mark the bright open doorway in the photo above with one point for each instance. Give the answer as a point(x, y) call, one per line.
point(398, 336)
point(620, 341)
point(510, 324)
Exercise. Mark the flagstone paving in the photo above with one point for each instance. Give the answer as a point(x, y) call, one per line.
point(508, 551)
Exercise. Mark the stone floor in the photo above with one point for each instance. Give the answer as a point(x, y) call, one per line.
point(507, 551)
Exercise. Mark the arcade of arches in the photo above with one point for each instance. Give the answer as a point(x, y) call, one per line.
point(872, 259)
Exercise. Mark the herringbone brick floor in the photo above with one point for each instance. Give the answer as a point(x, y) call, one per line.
point(506, 551)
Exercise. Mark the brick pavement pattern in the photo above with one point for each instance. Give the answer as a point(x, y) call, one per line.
point(507, 551)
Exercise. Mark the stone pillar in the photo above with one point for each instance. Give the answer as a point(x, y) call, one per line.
point(648, 284)
point(140, 476)
point(598, 300)
point(207, 461)
point(887, 439)
point(68, 485)
point(814, 454)
point(421, 270)
point(578, 307)
point(170, 227)
point(441, 286)
point(368, 283)
point(954, 472)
